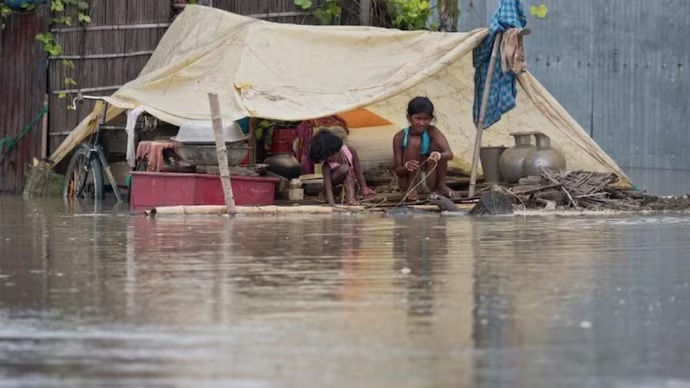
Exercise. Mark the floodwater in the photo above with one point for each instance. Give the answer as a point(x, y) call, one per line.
point(91, 299)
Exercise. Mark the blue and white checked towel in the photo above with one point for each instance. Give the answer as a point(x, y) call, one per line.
point(503, 92)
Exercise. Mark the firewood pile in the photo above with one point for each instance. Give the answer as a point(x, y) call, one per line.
point(588, 191)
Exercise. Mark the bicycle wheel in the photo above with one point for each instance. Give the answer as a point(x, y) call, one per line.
point(84, 178)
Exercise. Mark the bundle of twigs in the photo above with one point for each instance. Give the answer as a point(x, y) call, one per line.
point(575, 189)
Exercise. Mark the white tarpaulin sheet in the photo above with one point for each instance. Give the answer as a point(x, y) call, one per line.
point(292, 72)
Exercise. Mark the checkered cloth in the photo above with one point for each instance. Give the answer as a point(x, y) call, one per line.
point(503, 92)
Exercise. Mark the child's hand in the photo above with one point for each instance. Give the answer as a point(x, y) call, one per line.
point(412, 165)
point(367, 192)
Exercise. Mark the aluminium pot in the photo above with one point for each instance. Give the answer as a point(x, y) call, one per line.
point(511, 163)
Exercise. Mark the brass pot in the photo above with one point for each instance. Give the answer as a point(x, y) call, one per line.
point(511, 163)
point(543, 155)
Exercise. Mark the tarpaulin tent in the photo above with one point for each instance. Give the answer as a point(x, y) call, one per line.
point(293, 72)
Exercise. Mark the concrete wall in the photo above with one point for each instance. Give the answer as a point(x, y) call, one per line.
point(619, 67)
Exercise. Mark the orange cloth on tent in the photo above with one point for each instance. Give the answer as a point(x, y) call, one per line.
point(363, 118)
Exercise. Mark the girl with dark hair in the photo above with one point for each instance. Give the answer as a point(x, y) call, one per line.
point(340, 166)
point(422, 142)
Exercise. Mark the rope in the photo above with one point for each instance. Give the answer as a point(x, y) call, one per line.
point(9, 143)
point(419, 169)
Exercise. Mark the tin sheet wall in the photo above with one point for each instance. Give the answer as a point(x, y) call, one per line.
point(23, 80)
point(619, 67)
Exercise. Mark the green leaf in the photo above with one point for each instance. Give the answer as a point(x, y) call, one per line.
point(304, 4)
point(53, 49)
point(45, 38)
point(28, 6)
point(57, 6)
point(70, 81)
point(62, 96)
point(82, 5)
point(541, 11)
point(68, 63)
point(84, 18)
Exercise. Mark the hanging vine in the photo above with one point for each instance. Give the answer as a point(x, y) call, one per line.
point(63, 13)
point(402, 14)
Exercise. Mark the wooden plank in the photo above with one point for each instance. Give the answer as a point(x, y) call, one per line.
point(120, 27)
point(103, 56)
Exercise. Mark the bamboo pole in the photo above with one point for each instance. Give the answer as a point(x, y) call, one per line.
point(102, 56)
point(482, 113)
point(222, 152)
point(248, 210)
point(86, 90)
point(44, 130)
point(207, 210)
point(365, 12)
point(111, 28)
point(252, 141)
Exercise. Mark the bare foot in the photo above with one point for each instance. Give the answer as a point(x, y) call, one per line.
point(446, 191)
point(367, 192)
point(413, 196)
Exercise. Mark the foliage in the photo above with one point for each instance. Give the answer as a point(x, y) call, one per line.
point(539, 11)
point(409, 14)
point(402, 14)
point(327, 12)
point(64, 13)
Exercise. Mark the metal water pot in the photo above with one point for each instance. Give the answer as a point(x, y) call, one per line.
point(543, 155)
point(489, 156)
point(285, 165)
point(511, 164)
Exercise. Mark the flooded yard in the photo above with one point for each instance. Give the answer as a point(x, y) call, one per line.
point(98, 297)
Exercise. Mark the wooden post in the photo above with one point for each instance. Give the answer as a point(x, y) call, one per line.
point(222, 152)
point(44, 130)
point(482, 113)
point(365, 12)
point(252, 141)
point(442, 15)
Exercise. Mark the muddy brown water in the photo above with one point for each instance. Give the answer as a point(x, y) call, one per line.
point(97, 297)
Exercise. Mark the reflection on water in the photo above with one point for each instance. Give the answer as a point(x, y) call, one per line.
point(93, 297)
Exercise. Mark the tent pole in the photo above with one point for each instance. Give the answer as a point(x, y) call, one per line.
point(482, 113)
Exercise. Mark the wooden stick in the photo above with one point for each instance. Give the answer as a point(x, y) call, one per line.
point(86, 90)
point(273, 210)
point(111, 28)
point(365, 12)
point(482, 113)
point(101, 56)
point(44, 130)
point(252, 141)
point(222, 152)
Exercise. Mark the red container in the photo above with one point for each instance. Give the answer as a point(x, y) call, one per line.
point(282, 140)
point(150, 189)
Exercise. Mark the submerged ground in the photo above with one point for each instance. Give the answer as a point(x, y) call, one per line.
point(96, 297)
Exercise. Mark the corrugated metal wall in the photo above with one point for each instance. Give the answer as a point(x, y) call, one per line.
point(23, 85)
point(619, 67)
